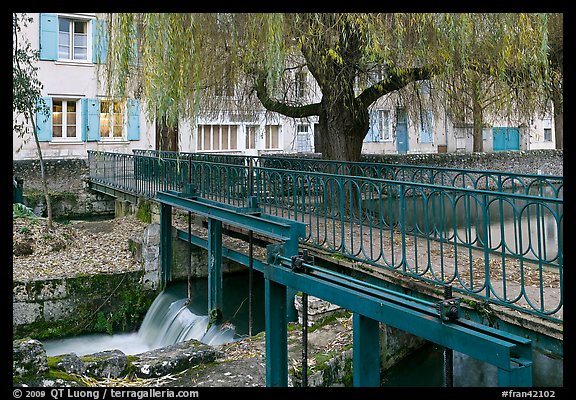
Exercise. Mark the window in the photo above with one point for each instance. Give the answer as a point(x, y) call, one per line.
point(427, 127)
point(72, 39)
point(303, 143)
point(380, 129)
point(251, 137)
point(547, 134)
point(217, 137)
point(272, 136)
point(300, 83)
point(385, 121)
point(64, 119)
point(66, 38)
point(88, 119)
point(111, 119)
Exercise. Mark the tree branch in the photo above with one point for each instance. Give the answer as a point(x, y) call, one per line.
point(271, 104)
point(395, 81)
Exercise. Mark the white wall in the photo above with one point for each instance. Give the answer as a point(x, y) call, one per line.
point(75, 81)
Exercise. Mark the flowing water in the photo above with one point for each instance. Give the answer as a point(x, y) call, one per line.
point(172, 319)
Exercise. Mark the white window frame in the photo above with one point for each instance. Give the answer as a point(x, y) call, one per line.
point(110, 137)
point(250, 136)
point(385, 124)
point(64, 137)
point(71, 20)
point(201, 131)
point(268, 136)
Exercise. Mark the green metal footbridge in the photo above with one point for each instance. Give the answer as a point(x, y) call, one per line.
point(470, 260)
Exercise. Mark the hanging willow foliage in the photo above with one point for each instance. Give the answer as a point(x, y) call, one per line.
point(182, 64)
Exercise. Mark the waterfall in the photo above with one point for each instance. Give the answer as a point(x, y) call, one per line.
point(169, 320)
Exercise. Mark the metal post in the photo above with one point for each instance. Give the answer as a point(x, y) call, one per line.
point(304, 339)
point(189, 256)
point(214, 269)
point(250, 251)
point(448, 353)
point(518, 375)
point(366, 351)
point(165, 245)
point(276, 334)
point(250, 278)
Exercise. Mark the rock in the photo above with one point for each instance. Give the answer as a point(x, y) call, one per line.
point(28, 358)
point(249, 372)
point(317, 309)
point(174, 358)
point(105, 364)
point(71, 364)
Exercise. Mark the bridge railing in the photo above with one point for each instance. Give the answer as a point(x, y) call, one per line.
point(498, 246)
point(532, 184)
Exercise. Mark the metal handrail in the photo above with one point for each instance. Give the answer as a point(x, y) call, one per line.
point(501, 247)
point(535, 184)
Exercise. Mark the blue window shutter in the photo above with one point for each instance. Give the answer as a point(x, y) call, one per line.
point(91, 119)
point(427, 128)
point(99, 41)
point(84, 118)
point(48, 36)
point(44, 122)
point(133, 127)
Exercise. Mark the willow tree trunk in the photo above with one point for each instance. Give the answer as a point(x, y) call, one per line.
point(477, 117)
point(558, 122)
point(342, 129)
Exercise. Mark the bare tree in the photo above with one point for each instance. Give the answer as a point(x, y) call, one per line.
point(26, 99)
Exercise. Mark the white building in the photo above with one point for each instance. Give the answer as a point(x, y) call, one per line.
point(82, 117)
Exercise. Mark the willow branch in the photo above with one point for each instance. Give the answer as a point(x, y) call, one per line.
point(394, 81)
point(272, 104)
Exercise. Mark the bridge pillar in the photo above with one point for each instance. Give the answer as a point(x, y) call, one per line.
point(215, 302)
point(276, 334)
point(366, 351)
point(165, 244)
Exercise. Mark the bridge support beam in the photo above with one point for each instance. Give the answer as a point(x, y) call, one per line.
point(276, 334)
point(215, 297)
point(366, 354)
point(165, 245)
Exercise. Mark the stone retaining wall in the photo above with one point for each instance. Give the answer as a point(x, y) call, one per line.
point(81, 304)
point(66, 184)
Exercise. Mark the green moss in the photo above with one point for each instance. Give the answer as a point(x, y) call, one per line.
point(54, 360)
point(98, 310)
point(338, 256)
point(144, 212)
point(56, 374)
point(329, 319)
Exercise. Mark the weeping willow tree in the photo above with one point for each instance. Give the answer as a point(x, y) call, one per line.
point(496, 69)
point(556, 64)
point(179, 64)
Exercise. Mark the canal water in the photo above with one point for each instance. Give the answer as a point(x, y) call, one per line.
point(169, 320)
